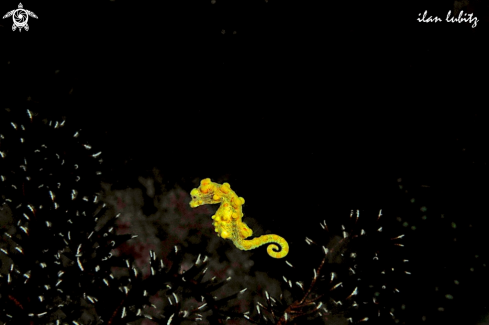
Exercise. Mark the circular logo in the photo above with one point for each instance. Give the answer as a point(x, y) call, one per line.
point(20, 18)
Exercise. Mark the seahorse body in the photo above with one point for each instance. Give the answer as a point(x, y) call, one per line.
point(227, 219)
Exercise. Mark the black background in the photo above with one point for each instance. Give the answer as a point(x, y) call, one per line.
point(318, 107)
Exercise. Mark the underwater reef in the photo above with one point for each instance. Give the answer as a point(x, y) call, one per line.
point(74, 250)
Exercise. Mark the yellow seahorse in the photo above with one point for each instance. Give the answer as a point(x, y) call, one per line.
point(227, 219)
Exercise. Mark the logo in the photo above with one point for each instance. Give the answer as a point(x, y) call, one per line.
point(20, 17)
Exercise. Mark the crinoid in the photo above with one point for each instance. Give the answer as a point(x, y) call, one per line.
point(56, 241)
point(49, 177)
point(356, 280)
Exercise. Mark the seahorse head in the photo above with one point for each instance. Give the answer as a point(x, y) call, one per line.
point(204, 194)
